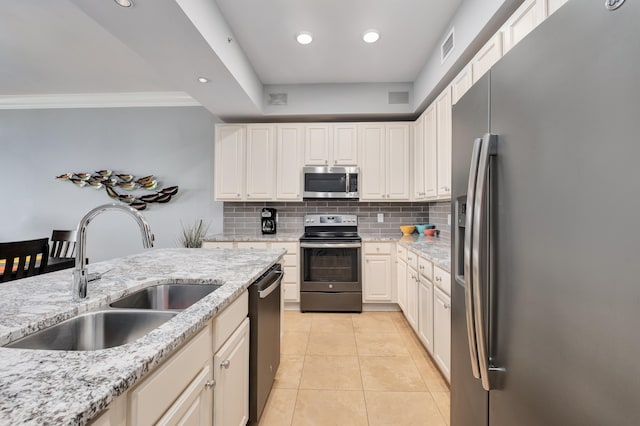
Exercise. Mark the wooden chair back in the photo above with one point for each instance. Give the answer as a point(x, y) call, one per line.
point(63, 244)
point(26, 252)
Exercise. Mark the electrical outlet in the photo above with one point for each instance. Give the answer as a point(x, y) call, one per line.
point(449, 219)
point(380, 217)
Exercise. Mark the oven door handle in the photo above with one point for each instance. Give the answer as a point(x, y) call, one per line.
point(330, 245)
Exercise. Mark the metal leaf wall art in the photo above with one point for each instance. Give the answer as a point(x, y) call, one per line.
point(114, 183)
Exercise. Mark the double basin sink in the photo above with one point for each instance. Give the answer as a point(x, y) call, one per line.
point(130, 318)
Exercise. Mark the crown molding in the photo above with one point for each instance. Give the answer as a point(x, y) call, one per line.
point(98, 100)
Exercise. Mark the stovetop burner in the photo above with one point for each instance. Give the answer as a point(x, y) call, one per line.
point(330, 227)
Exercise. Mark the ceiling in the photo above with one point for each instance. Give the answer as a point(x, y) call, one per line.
point(80, 47)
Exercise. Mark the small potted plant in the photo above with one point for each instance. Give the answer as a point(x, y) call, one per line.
point(192, 235)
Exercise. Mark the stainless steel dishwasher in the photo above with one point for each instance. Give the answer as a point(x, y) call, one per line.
point(264, 352)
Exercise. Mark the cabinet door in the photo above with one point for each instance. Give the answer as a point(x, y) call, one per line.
point(195, 405)
point(261, 165)
point(231, 373)
point(372, 161)
point(430, 153)
point(425, 313)
point(442, 331)
point(462, 83)
point(553, 5)
point(401, 278)
point(488, 55)
point(229, 162)
point(345, 145)
point(528, 16)
point(412, 298)
point(418, 160)
point(377, 279)
point(289, 153)
point(316, 144)
point(398, 165)
point(443, 129)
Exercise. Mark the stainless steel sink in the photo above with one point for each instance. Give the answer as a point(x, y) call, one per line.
point(166, 297)
point(95, 330)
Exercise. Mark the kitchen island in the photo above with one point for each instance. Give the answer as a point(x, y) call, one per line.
point(73, 387)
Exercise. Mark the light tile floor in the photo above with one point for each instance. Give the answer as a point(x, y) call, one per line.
point(355, 369)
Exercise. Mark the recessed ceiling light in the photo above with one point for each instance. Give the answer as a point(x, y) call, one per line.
point(123, 3)
point(371, 36)
point(304, 37)
point(203, 79)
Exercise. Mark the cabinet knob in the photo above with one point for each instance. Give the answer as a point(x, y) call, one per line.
point(238, 195)
point(377, 248)
point(226, 363)
point(210, 383)
point(438, 279)
point(422, 267)
point(335, 162)
point(447, 306)
point(326, 161)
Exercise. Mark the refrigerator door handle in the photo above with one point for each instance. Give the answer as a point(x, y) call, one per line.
point(489, 144)
point(468, 285)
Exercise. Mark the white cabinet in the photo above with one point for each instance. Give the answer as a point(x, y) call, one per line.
point(289, 157)
point(261, 164)
point(418, 160)
point(291, 278)
point(231, 374)
point(553, 5)
point(412, 297)
point(528, 16)
point(229, 162)
point(425, 159)
point(443, 131)
point(331, 145)
point(442, 331)
point(461, 83)
point(488, 55)
point(195, 405)
point(425, 313)
point(384, 165)
point(401, 280)
point(378, 272)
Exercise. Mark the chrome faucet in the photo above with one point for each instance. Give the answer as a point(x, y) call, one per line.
point(80, 274)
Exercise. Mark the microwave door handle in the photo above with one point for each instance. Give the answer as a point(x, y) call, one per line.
point(348, 178)
point(468, 278)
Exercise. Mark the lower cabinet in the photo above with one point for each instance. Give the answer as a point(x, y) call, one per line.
point(401, 275)
point(194, 407)
point(231, 375)
point(442, 331)
point(412, 298)
point(378, 272)
point(425, 313)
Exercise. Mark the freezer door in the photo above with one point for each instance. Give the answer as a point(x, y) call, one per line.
point(469, 401)
point(566, 104)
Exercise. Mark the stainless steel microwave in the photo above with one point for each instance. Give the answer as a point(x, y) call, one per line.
point(330, 182)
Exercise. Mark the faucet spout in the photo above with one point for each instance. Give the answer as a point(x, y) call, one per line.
point(80, 273)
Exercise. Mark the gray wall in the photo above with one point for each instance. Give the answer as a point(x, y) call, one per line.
point(174, 144)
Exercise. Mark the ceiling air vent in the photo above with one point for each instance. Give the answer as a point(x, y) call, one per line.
point(447, 46)
point(277, 99)
point(398, 98)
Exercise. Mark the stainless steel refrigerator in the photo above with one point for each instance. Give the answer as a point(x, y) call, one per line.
point(546, 236)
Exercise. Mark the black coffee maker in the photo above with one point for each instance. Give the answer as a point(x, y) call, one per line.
point(268, 220)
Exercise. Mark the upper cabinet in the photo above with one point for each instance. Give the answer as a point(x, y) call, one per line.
point(528, 16)
point(289, 153)
point(443, 131)
point(462, 83)
point(230, 162)
point(261, 162)
point(425, 159)
point(553, 5)
point(330, 145)
point(384, 161)
point(488, 55)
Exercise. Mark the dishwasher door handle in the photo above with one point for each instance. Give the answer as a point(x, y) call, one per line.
point(267, 291)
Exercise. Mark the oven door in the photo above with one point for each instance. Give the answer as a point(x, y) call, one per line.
point(330, 267)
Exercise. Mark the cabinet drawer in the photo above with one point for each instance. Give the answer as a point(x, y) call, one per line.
point(290, 292)
point(425, 267)
point(291, 248)
point(290, 274)
point(442, 279)
point(377, 248)
point(149, 400)
point(252, 245)
point(225, 323)
point(195, 404)
point(401, 252)
point(412, 260)
point(217, 244)
point(289, 260)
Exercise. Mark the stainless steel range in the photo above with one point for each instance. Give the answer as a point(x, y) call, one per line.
point(331, 275)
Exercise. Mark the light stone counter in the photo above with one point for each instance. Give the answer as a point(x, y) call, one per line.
point(256, 236)
point(435, 249)
point(69, 388)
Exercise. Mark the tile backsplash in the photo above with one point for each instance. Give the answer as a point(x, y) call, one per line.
point(245, 217)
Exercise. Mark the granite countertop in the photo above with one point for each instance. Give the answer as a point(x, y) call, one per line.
point(72, 387)
point(435, 249)
point(256, 236)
